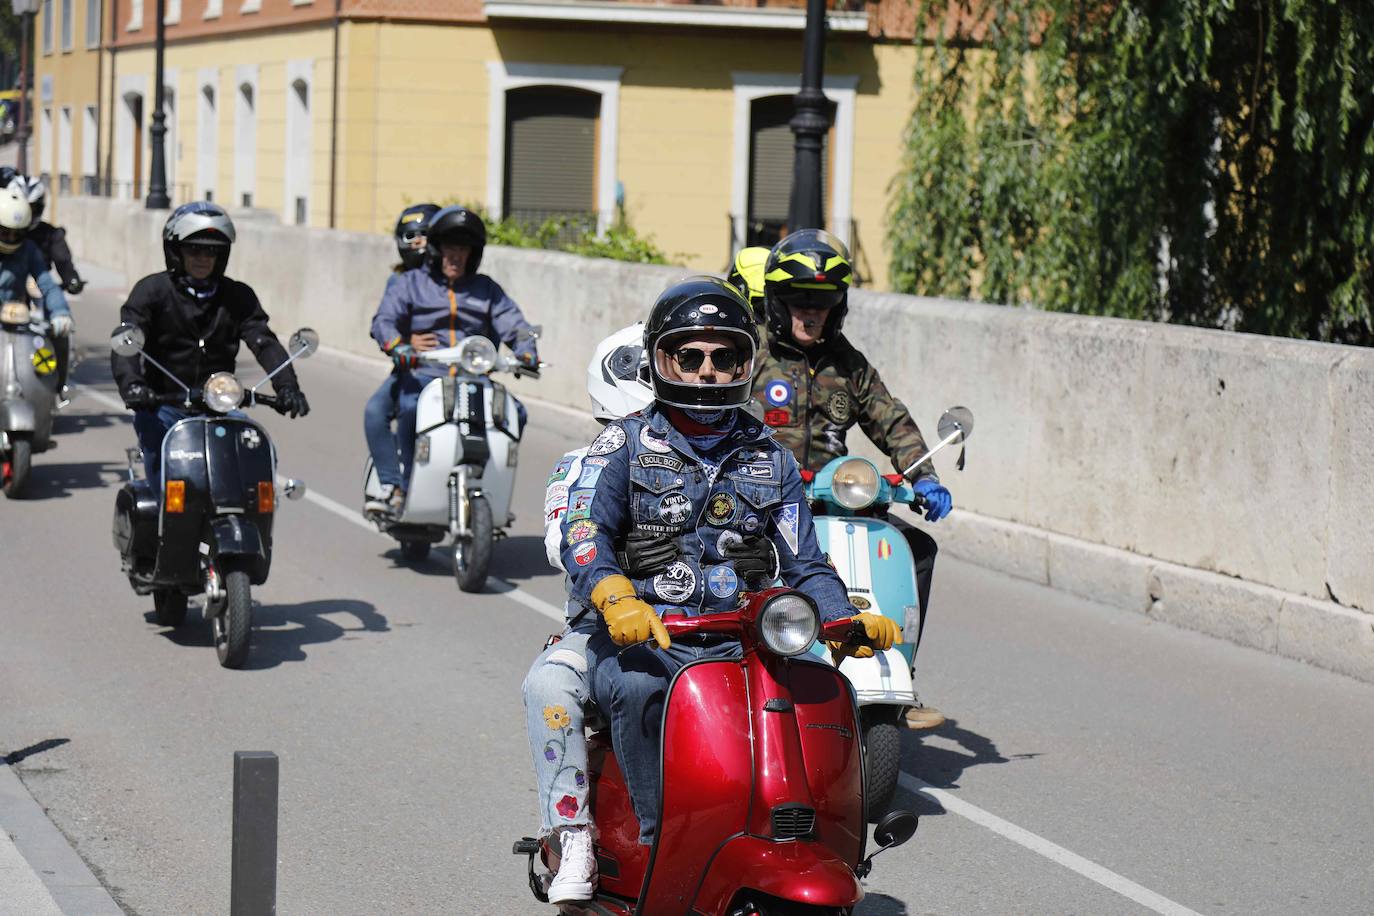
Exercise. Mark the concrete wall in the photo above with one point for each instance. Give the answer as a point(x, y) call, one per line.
point(1223, 482)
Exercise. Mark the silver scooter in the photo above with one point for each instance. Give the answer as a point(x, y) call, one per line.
point(28, 393)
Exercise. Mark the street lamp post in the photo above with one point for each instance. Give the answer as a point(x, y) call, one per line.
point(810, 125)
point(157, 172)
point(25, 10)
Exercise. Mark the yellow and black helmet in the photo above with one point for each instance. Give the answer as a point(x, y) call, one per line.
point(746, 275)
point(808, 269)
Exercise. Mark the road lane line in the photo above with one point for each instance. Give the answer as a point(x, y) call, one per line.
point(1043, 847)
point(952, 803)
point(501, 586)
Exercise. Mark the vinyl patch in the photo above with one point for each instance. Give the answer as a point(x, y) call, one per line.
point(611, 439)
point(674, 508)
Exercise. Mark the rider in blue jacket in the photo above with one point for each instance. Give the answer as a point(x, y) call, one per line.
point(436, 305)
point(20, 259)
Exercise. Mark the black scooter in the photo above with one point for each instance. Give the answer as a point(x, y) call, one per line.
point(206, 526)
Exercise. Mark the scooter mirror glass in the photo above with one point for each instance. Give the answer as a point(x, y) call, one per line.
point(956, 419)
point(305, 341)
point(127, 340)
point(895, 829)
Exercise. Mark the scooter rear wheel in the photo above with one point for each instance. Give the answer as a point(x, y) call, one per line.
point(234, 623)
point(21, 461)
point(169, 607)
point(883, 765)
point(472, 557)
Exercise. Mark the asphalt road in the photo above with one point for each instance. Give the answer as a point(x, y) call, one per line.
point(1095, 762)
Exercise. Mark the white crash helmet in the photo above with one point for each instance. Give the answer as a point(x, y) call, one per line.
point(615, 376)
point(15, 216)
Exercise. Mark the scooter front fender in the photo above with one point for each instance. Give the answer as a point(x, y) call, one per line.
point(882, 678)
point(796, 870)
point(17, 417)
point(236, 536)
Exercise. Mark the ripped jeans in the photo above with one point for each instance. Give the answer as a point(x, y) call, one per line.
point(557, 699)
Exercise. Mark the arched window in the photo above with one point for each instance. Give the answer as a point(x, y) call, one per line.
point(296, 203)
point(245, 143)
point(207, 139)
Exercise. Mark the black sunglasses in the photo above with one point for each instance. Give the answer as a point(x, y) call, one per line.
point(193, 250)
point(691, 358)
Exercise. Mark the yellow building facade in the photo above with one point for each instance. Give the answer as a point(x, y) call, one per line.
point(651, 113)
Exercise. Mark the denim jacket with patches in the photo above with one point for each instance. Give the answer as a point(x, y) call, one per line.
point(642, 474)
point(16, 268)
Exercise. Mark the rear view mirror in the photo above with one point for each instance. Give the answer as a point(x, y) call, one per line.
point(956, 420)
point(895, 829)
point(127, 340)
point(304, 342)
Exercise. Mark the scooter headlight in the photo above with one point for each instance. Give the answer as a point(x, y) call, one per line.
point(855, 484)
point(789, 624)
point(223, 392)
point(476, 355)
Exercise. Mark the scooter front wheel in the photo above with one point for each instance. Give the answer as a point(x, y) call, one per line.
point(17, 468)
point(472, 555)
point(882, 765)
point(233, 624)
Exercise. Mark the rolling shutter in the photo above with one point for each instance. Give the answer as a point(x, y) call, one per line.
point(550, 153)
point(771, 155)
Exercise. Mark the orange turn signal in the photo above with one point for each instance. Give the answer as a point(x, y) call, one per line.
point(266, 496)
point(176, 496)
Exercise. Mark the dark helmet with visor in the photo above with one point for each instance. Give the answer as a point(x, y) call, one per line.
point(410, 230)
point(457, 226)
point(809, 269)
point(198, 223)
point(691, 308)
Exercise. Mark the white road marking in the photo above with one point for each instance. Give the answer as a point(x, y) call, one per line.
point(1043, 847)
point(950, 802)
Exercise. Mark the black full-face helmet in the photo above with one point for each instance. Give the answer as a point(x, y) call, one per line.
point(410, 227)
point(689, 308)
point(455, 225)
point(202, 223)
point(808, 269)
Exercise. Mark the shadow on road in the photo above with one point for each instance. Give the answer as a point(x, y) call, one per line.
point(282, 631)
point(942, 766)
point(880, 905)
point(57, 481)
point(519, 557)
point(69, 424)
point(39, 747)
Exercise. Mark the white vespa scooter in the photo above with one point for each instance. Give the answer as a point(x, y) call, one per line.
point(467, 437)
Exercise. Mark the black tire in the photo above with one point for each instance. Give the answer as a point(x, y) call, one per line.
point(414, 551)
point(234, 623)
point(472, 557)
point(169, 607)
point(882, 766)
point(21, 462)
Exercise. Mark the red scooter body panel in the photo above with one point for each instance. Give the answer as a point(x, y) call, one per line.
point(708, 767)
point(827, 723)
point(796, 870)
point(621, 859)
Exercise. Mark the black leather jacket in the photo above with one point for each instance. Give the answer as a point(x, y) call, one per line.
point(52, 241)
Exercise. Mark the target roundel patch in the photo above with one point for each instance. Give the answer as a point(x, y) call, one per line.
point(777, 393)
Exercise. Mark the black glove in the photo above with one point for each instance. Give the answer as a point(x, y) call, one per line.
point(644, 556)
point(75, 285)
point(138, 397)
point(756, 562)
point(292, 401)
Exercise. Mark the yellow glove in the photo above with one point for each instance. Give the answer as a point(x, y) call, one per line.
point(881, 632)
point(629, 619)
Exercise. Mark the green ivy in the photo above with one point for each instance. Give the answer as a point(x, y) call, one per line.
point(576, 235)
point(1206, 162)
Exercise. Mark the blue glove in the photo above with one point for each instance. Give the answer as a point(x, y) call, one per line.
point(937, 498)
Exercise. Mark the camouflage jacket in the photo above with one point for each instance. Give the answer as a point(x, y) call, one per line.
point(812, 399)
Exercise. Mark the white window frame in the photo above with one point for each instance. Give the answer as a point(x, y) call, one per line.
point(90, 129)
point(207, 134)
point(171, 12)
point(841, 89)
point(64, 141)
point(45, 144)
point(125, 130)
point(604, 81)
point(93, 11)
point(304, 71)
point(135, 16)
point(49, 14)
point(171, 142)
point(213, 9)
point(250, 6)
point(68, 24)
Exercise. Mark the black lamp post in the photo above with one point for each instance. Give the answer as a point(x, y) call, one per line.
point(25, 10)
point(157, 172)
point(810, 125)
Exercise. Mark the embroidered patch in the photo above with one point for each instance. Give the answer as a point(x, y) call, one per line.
point(581, 531)
point(652, 443)
point(555, 500)
point(751, 523)
point(884, 549)
point(840, 408)
point(667, 462)
point(584, 553)
point(777, 393)
point(556, 717)
point(777, 417)
point(723, 581)
point(611, 438)
point(674, 508)
point(860, 602)
point(580, 503)
point(596, 462)
point(676, 583)
point(567, 806)
point(721, 509)
point(787, 517)
point(562, 468)
point(590, 475)
point(655, 528)
point(757, 471)
point(728, 538)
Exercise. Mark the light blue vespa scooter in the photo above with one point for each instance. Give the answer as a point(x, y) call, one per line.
point(850, 500)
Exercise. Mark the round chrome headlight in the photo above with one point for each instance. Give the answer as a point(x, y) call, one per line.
point(855, 484)
point(789, 624)
point(476, 355)
point(223, 392)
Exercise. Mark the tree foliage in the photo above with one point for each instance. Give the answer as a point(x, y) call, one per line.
point(1200, 161)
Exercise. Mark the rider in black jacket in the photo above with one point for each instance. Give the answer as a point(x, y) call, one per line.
point(194, 319)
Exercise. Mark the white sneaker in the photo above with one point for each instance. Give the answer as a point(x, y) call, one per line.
point(576, 878)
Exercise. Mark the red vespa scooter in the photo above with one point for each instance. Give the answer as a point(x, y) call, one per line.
point(762, 799)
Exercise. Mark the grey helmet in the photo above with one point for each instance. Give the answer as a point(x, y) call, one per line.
point(35, 192)
point(201, 222)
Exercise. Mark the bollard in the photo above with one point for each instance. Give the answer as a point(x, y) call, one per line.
point(253, 876)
